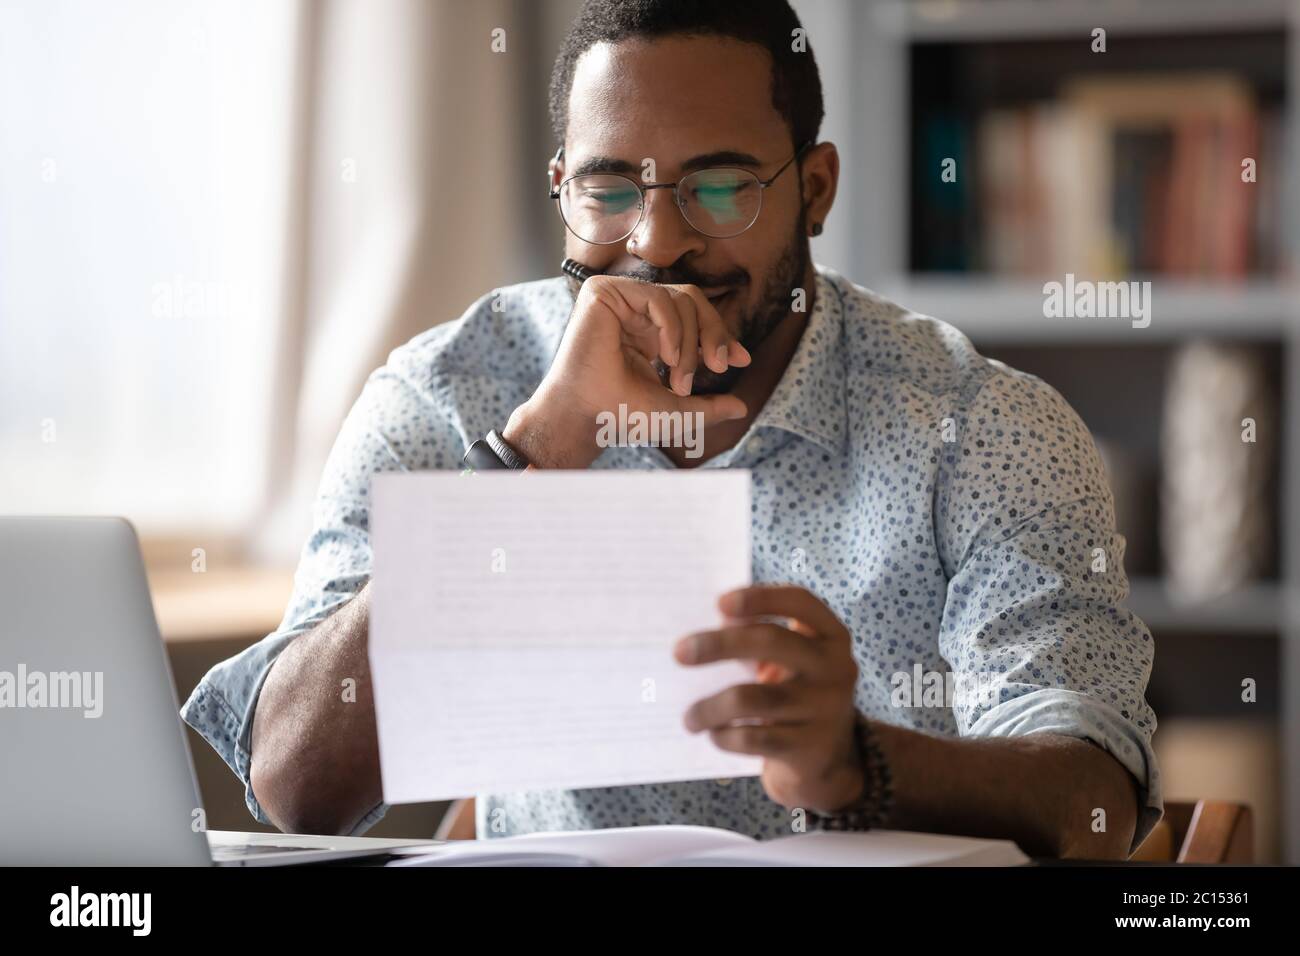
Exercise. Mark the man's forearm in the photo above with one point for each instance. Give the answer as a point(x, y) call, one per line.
point(315, 761)
point(1041, 790)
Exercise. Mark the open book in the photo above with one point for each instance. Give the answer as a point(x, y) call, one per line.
point(710, 846)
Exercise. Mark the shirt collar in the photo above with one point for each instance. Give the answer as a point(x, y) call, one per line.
point(809, 399)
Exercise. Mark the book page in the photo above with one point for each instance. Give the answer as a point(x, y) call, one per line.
point(521, 627)
point(870, 848)
point(711, 846)
point(616, 846)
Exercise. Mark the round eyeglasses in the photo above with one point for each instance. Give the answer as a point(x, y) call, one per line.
point(719, 202)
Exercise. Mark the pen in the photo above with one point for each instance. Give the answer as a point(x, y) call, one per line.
point(572, 267)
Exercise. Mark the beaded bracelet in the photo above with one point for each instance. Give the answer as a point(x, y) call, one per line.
point(872, 807)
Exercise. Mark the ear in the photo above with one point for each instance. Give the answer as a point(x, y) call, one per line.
point(820, 172)
point(555, 171)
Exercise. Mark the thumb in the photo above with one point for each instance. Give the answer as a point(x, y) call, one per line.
point(714, 408)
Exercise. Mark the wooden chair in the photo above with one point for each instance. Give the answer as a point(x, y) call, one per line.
point(1204, 831)
point(1201, 831)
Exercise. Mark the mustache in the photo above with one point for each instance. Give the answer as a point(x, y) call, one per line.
point(677, 275)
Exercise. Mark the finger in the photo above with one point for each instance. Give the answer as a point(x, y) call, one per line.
point(765, 741)
point(688, 358)
point(783, 600)
point(714, 337)
point(647, 344)
point(653, 335)
point(765, 702)
point(754, 642)
point(662, 311)
point(719, 337)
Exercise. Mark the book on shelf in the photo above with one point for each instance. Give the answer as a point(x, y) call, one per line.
point(1117, 176)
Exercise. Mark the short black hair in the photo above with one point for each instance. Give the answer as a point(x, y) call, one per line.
point(796, 84)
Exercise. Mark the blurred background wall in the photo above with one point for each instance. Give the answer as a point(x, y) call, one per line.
point(216, 218)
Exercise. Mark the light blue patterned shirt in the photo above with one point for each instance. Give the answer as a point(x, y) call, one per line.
point(952, 511)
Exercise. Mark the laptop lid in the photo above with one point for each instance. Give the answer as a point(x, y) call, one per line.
point(96, 767)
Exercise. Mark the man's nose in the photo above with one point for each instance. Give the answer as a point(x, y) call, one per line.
point(663, 236)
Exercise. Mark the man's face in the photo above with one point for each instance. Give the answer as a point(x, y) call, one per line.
point(687, 103)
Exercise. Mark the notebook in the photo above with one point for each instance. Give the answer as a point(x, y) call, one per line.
point(711, 846)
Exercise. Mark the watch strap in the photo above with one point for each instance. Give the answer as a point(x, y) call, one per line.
point(480, 457)
point(511, 458)
point(493, 453)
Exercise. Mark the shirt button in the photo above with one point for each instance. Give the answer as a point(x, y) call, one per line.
point(756, 443)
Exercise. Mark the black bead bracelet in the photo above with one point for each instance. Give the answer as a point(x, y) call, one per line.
point(872, 807)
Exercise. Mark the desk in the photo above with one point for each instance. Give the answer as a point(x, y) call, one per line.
point(224, 604)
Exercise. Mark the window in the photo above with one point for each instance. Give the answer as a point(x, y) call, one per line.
point(145, 152)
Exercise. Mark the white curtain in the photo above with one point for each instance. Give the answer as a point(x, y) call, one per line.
point(142, 214)
point(417, 131)
point(216, 218)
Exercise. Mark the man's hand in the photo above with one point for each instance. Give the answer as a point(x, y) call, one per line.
point(799, 714)
point(618, 328)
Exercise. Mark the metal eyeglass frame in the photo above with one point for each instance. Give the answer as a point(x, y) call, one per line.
point(643, 188)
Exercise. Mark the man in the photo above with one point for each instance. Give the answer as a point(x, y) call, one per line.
point(919, 512)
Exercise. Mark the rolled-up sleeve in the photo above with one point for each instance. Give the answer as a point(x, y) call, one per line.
point(394, 425)
point(1035, 628)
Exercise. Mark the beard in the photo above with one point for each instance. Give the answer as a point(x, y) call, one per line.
point(756, 323)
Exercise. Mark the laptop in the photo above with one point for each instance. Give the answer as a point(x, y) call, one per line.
point(97, 769)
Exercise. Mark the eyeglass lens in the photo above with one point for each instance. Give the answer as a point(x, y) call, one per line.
point(720, 203)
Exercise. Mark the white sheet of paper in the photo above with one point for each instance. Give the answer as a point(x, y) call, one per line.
point(521, 627)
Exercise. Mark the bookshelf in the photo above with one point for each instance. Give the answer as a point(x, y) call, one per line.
point(985, 54)
point(931, 21)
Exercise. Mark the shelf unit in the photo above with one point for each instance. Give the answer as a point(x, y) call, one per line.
point(989, 310)
point(967, 21)
point(867, 47)
point(1259, 610)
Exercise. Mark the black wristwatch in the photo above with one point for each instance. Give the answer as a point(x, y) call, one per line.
point(872, 807)
point(493, 453)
